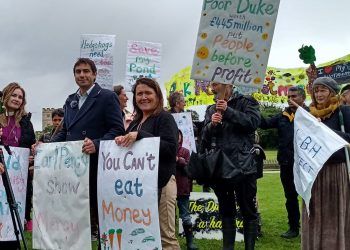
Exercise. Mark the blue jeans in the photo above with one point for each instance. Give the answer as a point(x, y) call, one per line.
point(183, 202)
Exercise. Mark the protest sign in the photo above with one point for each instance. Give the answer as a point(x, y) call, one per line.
point(100, 48)
point(17, 168)
point(143, 60)
point(184, 123)
point(339, 72)
point(61, 217)
point(128, 195)
point(234, 41)
point(314, 143)
point(204, 209)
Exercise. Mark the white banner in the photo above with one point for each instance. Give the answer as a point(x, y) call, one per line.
point(314, 143)
point(128, 195)
point(100, 49)
point(184, 123)
point(61, 218)
point(17, 167)
point(233, 43)
point(142, 60)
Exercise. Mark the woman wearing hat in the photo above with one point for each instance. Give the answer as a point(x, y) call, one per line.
point(328, 225)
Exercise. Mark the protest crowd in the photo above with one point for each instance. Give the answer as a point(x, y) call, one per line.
point(93, 114)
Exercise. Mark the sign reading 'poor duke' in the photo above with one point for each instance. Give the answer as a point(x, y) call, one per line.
point(234, 41)
point(128, 195)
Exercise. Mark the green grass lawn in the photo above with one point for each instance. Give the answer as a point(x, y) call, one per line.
point(272, 209)
point(271, 154)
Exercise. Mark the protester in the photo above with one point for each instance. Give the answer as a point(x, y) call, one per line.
point(90, 114)
point(177, 105)
point(184, 184)
point(284, 122)
point(177, 102)
point(152, 121)
point(328, 224)
point(123, 99)
point(230, 124)
point(56, 117)
point(17, 131)
point(184, 188)
point(345, 94)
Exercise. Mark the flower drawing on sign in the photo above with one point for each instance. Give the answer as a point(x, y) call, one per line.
point(204, 35)
point(264, 36)
point(203, 52)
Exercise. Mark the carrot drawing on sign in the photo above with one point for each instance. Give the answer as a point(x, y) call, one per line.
point(119, 237)
point(111, 236)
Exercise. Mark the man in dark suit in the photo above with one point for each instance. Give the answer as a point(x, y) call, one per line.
point(91, 114)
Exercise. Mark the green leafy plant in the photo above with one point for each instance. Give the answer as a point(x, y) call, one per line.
point(307, 54)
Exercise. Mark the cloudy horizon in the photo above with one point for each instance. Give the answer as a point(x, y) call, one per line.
point(40, 39)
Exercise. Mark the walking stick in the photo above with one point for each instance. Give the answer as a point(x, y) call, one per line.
point(347, 160)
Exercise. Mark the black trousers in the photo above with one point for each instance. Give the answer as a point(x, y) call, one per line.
point(245, 192)
point(292, 204)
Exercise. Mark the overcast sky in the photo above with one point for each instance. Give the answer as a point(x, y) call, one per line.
point(40, 38)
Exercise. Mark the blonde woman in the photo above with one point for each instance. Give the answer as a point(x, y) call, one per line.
point(17, 131)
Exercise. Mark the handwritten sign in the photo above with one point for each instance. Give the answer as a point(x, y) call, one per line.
point(17, 167)
point(100, 48)
point(61, 197)
point(143, 60)
point(204, 209)
point(184, 123)
point(234, 41)
point(339, 72)
point(314, 143)
point(128, 195)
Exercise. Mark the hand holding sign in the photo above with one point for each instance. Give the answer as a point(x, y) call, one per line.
point(88, 146)
point(126, 140)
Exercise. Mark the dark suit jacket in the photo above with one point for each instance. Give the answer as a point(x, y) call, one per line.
point(100, 118)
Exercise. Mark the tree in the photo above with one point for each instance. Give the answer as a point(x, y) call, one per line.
point(268, 137)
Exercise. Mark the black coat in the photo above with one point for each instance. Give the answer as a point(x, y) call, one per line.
point(333, 123)
point(163, 126)
point(100, 118)
point(285, 130)
point(235, 136)
point(27, 132)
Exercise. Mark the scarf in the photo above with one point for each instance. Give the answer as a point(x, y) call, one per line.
point(290, 115)
point(324, 111)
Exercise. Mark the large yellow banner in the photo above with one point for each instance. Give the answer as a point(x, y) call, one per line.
point(273, 91)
